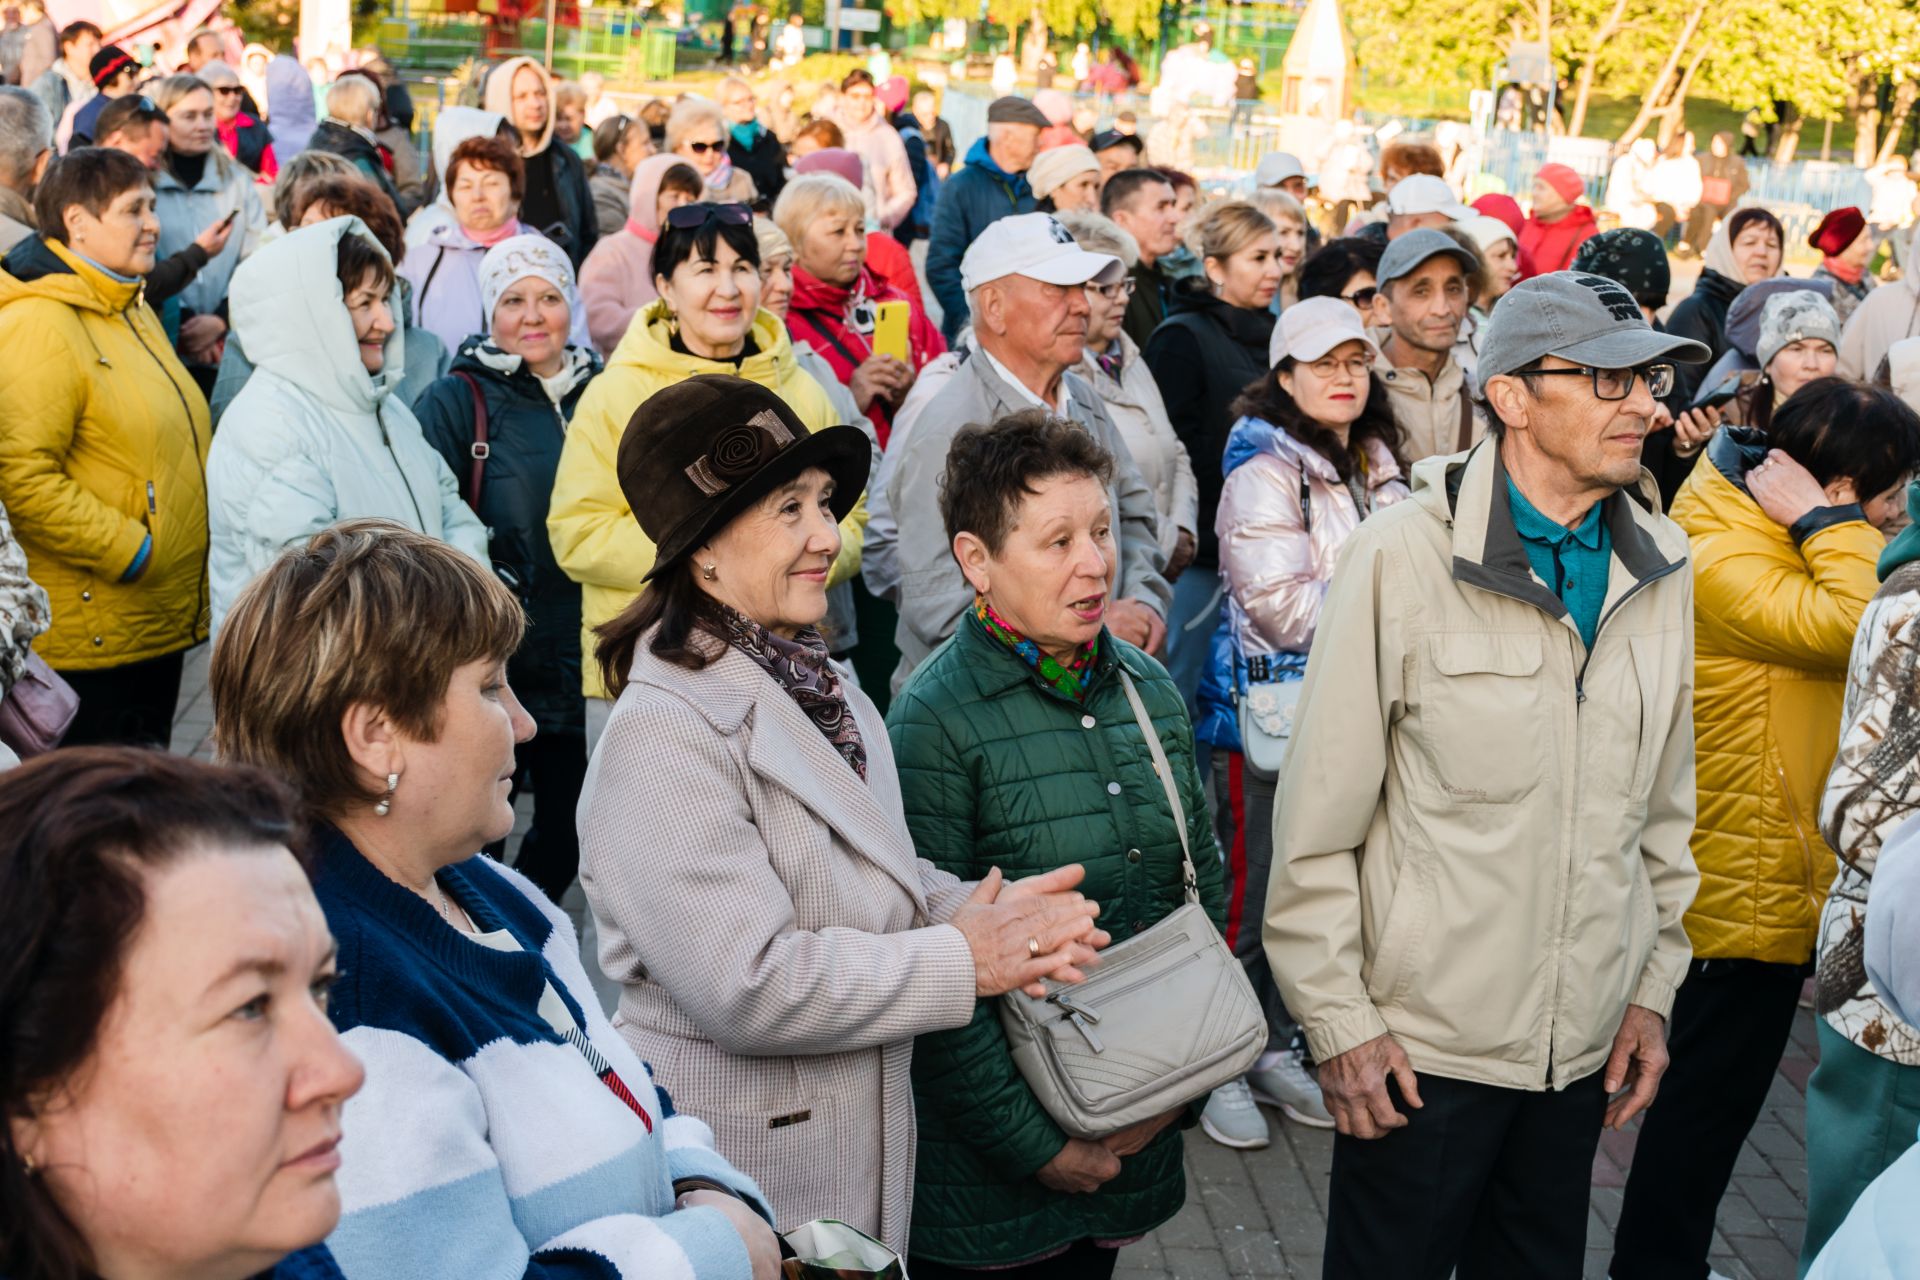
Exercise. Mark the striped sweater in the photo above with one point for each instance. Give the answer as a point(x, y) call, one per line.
point(483, 1147)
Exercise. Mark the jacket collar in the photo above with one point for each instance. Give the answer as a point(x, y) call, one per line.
point(1470, 494)
point(810, 293)
point(1006, 399)
point(1734, 451)
point(73, 279)
point(789, 751)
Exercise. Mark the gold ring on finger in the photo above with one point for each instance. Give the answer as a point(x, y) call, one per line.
point(1033, 946)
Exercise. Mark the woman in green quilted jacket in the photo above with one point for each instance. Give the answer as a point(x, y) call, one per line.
point(1018, 749)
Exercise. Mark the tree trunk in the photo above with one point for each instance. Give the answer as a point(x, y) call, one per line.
point(1866, 119)
point(1036, 41)
point(1903, 98)
point(1583, 85)
point(1787, 140)
point(1658, 92)
point(1675, 112)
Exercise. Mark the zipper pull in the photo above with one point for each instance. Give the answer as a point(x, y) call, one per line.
point(1579, 692)
point(152, 510)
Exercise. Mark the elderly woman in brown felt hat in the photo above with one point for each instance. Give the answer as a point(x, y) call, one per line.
point(743, 845)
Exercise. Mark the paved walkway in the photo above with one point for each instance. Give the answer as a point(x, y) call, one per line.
point(1263, 1213)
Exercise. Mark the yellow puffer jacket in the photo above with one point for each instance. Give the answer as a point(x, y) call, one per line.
point(104, 442)
point(1774, 625)
point(594, 534)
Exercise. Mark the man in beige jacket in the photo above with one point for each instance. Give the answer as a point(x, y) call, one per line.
point(1481, 844)
point(1428, 280)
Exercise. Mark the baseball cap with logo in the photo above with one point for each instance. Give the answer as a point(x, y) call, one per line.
point(1584, 318)
point(1424, 193)
point(1037, 246)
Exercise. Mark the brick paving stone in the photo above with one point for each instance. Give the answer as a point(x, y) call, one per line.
point(1252, 1253)
point(1766, 1257)
point(1196, 1264)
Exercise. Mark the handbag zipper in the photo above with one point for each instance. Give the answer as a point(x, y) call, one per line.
point(1084, 1017)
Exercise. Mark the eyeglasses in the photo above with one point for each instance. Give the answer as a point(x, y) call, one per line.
point(1613, 384)
point(692, 217)
point(1115, 292)
point(1361, 298)
point(225, 89)
point(701, 148)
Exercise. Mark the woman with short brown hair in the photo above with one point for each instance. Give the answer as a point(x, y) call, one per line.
point(505, 1127)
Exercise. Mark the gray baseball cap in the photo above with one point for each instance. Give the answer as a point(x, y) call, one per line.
point(1576, 316)
point(1405, 254)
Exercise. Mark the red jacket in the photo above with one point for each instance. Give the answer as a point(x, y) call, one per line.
point(247, 140)
point(889, 259)
point(1549, 246)
point(818, 317)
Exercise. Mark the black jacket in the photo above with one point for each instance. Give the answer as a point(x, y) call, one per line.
point(765, 162)
point(1148, 305)
point(524, 435)
point(253, 139)
point(1203, 356)
point(331, 135)
point(1702, 316)
point(577, 229)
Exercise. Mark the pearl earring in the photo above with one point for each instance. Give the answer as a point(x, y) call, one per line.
point(386, 802)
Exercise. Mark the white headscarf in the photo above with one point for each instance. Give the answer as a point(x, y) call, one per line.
point(518, 257)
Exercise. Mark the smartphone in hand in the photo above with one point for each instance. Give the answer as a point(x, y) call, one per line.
point(890, 330)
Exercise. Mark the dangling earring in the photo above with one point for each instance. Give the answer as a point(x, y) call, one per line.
point(709, 572)
point(27, 1165)
point(386, 802)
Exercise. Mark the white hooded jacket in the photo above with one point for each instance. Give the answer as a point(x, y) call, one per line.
point(313, 438)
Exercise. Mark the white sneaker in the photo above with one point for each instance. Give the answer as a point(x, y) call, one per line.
point(1233, 1120)
point(1287, 1085)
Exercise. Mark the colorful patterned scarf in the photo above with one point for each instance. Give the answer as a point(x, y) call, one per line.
point(799, 666)
point(1070, 678)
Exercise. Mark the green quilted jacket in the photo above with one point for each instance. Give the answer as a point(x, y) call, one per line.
point(999, 769)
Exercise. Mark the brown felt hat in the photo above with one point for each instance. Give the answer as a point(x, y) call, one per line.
point(697, 454)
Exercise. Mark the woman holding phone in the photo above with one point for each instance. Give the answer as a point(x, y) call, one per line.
point(872, 335)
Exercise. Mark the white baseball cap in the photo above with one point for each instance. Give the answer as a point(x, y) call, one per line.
point(1276, 167)
point(1312, 327)
point(1037, 246)
point(1424, 193)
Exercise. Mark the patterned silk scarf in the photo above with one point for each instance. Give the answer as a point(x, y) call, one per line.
point(1071, 678)
point(800, 667)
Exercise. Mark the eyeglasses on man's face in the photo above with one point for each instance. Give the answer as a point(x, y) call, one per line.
point(1614, 384)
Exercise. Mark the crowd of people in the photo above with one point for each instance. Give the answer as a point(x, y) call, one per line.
point(887, 578)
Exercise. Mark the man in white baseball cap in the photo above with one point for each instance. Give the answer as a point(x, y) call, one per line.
point(1281, 170)
point(1422, 200)
point(1026, 288)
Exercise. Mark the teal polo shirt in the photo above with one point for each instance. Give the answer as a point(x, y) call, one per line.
point(1574, 563)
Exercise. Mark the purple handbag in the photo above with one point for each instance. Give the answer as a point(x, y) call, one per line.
point(37, 711)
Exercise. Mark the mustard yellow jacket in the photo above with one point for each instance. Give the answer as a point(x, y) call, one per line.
point(595, 537)
point(103, 444)
point(1774, 620)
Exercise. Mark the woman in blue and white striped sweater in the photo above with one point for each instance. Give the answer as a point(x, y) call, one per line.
point(505, 1128)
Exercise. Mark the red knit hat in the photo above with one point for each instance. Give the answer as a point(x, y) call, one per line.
point(1505, 208)
point(1838, 230)
point(1563, 180)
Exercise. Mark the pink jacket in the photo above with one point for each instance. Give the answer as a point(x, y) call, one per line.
point(890, 189)
point(1275, 569)
point(616, 280)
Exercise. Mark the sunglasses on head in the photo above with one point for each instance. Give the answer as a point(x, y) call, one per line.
point(691, 217)
point(701, 148)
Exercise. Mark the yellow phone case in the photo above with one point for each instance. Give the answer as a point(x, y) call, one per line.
point(890, 330)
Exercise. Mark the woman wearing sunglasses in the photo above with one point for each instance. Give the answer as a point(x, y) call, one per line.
point(243, 137)
point(697, 133)
point(707, 319)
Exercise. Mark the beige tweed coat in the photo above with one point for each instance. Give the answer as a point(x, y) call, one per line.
point(776, 939)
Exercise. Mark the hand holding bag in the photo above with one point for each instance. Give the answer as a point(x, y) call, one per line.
point(1166, 1017)
point(827, 1249)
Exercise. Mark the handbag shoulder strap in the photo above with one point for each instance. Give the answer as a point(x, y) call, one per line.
point(1189, 879)
point(480, 450)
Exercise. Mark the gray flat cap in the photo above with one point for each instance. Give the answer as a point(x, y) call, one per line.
point(1576, 316)
point(1013, 109)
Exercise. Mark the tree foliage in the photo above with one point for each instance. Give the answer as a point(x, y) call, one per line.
point(1821, 59)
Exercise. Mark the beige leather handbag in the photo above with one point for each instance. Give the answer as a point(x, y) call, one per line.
point(1166, 1017)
